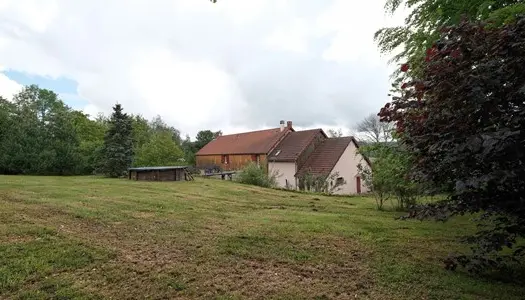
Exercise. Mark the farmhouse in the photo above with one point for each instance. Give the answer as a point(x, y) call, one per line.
point(312, 153)
point(172, 173)
point(235, 151)
point(292, 154)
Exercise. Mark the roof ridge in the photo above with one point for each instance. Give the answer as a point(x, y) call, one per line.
point(246, 132)
point(313, 129)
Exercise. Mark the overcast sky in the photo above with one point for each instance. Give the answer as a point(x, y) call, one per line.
point(234, 65)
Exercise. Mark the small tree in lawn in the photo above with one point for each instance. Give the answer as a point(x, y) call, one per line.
point(389, 176)
point(117, 151)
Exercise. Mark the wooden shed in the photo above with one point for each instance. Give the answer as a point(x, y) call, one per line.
point(171, 173)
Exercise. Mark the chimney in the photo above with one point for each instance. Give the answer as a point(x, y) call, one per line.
point(289, 124)
point(282, 125)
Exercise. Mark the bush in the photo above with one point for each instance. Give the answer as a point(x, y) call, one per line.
point(325, 184)
point(255, 175)
point(389, 176)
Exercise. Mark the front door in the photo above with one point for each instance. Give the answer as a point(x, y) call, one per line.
point(358, 184)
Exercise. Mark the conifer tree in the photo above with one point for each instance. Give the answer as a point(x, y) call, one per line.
point(117, 151)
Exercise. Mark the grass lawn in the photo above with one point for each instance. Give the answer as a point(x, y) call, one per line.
point(94, 238)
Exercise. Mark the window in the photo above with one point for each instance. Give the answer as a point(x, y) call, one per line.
point(340, 180)
point(225, 159)
point(255, 158)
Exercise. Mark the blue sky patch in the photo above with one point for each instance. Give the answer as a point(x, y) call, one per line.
point(66, 88)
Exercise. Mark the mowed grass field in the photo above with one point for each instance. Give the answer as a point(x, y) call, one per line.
point(95, 238)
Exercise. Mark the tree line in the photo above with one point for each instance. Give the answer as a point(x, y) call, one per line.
point(41, 135)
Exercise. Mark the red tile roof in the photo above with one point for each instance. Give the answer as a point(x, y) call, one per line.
point(325, 156)
point(293, 145)
point(253, 142)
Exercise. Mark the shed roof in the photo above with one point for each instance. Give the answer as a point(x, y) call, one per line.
point(325, 156)
point(167, 168)
point(293, 145)
point(253, 142)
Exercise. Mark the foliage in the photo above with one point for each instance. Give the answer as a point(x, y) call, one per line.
point(320, 183)
point(160, 150)
point(188, 147)
point(41, 135)
point(204, 137)
point(389, 175)
point(255, 175)
point(142, 131)
point(158, 125)
point(463, 120)
point(91, 138)
point(37, 135)
point(421, 28)
point(117, 150)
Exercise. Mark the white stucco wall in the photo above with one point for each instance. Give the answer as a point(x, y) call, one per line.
point(347, 168)
point(286, 171)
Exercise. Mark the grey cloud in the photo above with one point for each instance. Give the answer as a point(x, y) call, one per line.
point(276, 85)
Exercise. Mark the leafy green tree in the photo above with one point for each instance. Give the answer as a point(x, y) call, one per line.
point(421, 28)
point(389, 175)
point(188, 147)
point(161, 150)
point(91, 137)
point(462, 120)
point(142, 132)
point(8, 133)
point(204, 137)
point(62, 134)
point(41, 138)
point(158, 125)
point(117, 149)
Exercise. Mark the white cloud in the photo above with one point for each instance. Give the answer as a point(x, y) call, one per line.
point(8, 87)
point(233, 64)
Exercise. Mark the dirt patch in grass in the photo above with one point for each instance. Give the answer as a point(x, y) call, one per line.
point(206, 265)
point(142, 214)
point(261, 280)
point(15, 239)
